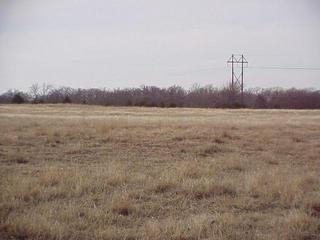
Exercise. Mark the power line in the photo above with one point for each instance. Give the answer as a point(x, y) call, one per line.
point(285, 68)
point(200, 70)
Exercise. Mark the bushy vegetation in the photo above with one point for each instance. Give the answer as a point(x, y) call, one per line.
point(174, 96)
point(17, 98)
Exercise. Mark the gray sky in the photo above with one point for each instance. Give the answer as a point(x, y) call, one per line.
point(127, 43)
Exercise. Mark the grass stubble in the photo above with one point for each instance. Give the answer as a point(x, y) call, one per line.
point(80, 172)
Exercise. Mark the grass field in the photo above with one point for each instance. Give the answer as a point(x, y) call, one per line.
point(87, 172)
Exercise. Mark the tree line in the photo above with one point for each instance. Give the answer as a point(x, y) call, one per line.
point(174, 96)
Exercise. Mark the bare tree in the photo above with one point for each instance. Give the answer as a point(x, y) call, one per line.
point(45, 89)
point(35, 92)
point(174, 96)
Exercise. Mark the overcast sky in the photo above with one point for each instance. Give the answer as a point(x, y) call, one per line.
point(128, 43)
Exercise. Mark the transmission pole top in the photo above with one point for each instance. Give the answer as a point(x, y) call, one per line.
point(237, 58)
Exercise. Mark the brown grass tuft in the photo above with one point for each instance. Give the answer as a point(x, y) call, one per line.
point(189, 169)
point(164, 184)
point(122, 205)
point(298, 225)
point(205, 188)
point(210, 150)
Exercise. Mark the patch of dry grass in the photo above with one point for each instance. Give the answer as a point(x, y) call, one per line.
point(122, 205)
point(86, 172)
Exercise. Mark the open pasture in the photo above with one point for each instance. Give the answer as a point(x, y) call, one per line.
point(89, 172)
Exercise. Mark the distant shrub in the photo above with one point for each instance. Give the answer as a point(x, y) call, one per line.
point(67, 100)
point(151, 104)
point(141, 104)
point(162, 105)
point(261, 102)
point(129, 103)
point(238, 105)
point(17, 99)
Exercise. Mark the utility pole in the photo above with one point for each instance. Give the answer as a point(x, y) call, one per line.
point(232, 72)
point(242, 61)
point(236, 79)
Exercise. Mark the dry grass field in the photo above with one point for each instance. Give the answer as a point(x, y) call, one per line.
point(88, 172)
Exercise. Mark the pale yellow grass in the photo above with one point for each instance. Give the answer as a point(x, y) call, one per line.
point(86, 172)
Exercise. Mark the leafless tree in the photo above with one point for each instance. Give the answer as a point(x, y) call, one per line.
point(174, 96)
point(35, 92)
